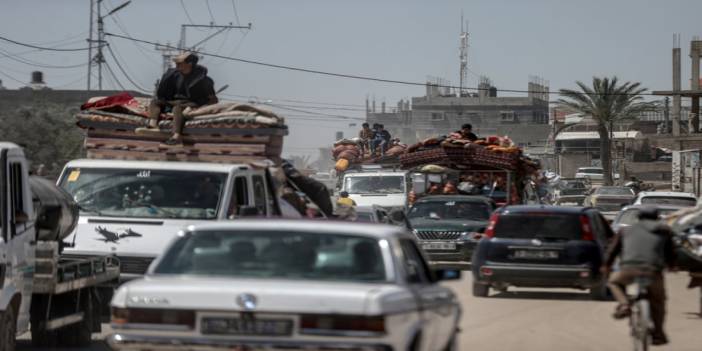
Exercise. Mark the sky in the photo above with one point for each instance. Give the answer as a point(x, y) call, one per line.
point(562, 41)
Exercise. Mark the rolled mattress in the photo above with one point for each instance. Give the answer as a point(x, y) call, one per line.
point(55, 211)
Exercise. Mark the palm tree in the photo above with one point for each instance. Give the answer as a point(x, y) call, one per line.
point(608, 102)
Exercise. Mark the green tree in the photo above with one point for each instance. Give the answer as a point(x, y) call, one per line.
point(47, 132)
point(607, 102)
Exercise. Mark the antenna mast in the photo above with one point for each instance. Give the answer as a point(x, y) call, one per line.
point(463, 56)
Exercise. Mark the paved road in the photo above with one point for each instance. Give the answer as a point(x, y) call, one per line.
point(554, 320)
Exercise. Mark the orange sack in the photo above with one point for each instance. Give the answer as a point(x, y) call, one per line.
point(342, 165)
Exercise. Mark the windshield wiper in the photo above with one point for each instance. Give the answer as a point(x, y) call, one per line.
point(89, 210)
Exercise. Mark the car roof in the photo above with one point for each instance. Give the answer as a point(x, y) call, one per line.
point(516, 209)
point(590, 168)
point(161, 165)
point(666, 194)
point(463, 198)
point(660, 207)
point(377, 231)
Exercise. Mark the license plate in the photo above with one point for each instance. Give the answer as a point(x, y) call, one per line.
point(536, 254)
point(240, 326)
point(439, 246)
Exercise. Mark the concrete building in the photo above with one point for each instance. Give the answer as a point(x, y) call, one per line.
point(524, 119)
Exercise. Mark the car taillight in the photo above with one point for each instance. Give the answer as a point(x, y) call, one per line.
point(122, 316)
point(490, 230)
point(586, 228)
point(315, 324)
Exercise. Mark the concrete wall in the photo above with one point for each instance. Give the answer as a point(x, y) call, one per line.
point(569, 163)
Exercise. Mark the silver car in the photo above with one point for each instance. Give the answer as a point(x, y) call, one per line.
point(288, 285)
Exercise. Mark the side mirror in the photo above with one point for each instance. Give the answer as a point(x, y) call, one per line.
point(249, 211)
point(447, 274)
point(397, 216)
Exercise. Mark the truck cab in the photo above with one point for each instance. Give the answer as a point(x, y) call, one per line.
point(132, 209)
point(381, 187)
point(17, 243)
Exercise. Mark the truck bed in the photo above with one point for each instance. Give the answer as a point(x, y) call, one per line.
point(56, 275)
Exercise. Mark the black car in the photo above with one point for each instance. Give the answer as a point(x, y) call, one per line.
point(448, 227)
point(542, 246)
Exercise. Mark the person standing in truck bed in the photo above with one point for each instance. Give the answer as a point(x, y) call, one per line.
point(188, 84)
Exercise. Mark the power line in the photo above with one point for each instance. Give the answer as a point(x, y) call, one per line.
point(14, 79)
point(236, 15)
point(114, 76)
point(28, 62)
point(40, 47)
point(345, 75)
point(295, 101)
point(109, 49)
point(210, 10)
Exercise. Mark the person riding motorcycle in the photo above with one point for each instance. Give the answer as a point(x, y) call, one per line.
point(635, 184)
point(644, 250)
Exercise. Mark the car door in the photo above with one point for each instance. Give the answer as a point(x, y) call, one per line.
point(20, 233)
point(436, 302)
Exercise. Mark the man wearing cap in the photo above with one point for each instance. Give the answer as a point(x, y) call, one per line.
point(186, 85)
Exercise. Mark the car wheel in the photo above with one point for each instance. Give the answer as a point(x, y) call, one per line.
point(480, 290)
point(8, 329)
point(452, 343)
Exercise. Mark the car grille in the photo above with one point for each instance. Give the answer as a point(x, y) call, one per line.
point(134, 265)
point(437, 235)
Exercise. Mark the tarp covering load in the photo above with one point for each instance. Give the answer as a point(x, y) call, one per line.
point(450, 151)
point(348, 153)
point(222, 132)
point(56, 212)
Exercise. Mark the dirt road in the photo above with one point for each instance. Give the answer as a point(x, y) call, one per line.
point(552, 320)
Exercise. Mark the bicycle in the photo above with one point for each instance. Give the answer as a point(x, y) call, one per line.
point(640, 322)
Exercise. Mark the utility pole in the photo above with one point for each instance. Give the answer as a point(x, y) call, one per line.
point(168, 51)
point(666, 115)
point(90, 44)
point(99, 58)
point(463, 57)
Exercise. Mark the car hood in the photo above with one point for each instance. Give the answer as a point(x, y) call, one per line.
point(124, 236)
point(273, 296)
point(613, 197)
point(447, 225)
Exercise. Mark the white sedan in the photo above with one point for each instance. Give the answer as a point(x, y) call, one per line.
point(288, 285)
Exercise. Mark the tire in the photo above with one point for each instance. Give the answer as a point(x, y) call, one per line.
point(640, 325)
point(79, 334)
point(41, 338)
point(480, 290)
point(452, 343)
point(8, 329)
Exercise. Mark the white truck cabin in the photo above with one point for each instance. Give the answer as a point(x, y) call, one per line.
point(132, 209)
point(380, 187)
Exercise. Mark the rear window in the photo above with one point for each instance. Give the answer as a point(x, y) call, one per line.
point(614, 191)
point(591, 170)
point(675, 201)
point(538, 226)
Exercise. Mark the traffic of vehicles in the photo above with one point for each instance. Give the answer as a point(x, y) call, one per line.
point(199, 252)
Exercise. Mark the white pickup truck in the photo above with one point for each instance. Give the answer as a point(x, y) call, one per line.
point(380, 187)
point(132, 209)
point(38, 284)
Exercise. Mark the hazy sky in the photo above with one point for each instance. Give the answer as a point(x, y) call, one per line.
point(559, 40)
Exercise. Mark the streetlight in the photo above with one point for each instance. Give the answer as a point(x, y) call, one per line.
point(99, 58)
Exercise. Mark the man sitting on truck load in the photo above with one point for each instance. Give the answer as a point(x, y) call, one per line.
point(466, 132)
point(189, 83)
point(366, 135)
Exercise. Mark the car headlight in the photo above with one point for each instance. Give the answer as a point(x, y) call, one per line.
point(471, 235)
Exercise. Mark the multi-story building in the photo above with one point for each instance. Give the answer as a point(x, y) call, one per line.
point(524, 119)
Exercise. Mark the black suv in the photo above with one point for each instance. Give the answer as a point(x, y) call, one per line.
point(448, 227)
point(542, 246)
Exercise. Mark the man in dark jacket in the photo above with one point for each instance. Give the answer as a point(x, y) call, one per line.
point(644, 250)
point(467, 132)
point(185, 86)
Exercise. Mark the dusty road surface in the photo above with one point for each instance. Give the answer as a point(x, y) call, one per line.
point(552, 320)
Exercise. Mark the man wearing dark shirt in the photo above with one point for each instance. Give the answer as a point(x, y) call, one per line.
point(467, 132)
point(186, 85)
point(644, 250)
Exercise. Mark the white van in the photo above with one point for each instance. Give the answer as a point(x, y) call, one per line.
point(132, 209)
point(386, 188)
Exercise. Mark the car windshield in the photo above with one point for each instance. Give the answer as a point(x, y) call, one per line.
point(573, 185)
point(466, 210)
point(606, 190)
point(538, 226)
point(631, 215)
point(675, 201)
point(375, 184)
point(591, 170)
point(362, 216)
point(145, 193)
point(276, 255)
